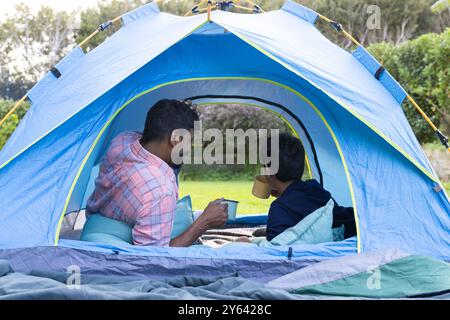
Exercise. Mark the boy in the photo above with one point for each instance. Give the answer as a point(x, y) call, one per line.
point(296, 198)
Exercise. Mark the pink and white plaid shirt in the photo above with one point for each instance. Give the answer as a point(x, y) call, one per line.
point(138, 188)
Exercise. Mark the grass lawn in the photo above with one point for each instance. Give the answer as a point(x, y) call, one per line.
point(202, 192)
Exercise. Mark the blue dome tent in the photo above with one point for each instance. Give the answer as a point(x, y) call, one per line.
point(344, 106)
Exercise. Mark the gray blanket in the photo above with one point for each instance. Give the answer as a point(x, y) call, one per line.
point(52, 285)
point(60, 285)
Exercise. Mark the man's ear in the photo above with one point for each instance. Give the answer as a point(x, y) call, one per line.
point(174, 139)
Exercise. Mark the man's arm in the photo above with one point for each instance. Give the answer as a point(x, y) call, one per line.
point(189, 236)
point(214, 215)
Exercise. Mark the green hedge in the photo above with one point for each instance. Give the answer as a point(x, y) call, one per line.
point(11, 123)
point(422, 68)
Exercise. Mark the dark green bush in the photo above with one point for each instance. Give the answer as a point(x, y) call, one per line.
point(422, 68)
point(12, 122)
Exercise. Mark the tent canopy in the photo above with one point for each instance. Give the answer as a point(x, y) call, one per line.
point(358, 141)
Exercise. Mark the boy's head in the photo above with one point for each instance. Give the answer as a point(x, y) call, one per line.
point(291, 160)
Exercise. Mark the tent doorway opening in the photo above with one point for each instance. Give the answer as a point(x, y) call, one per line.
point(325, 162)
point(206, 182)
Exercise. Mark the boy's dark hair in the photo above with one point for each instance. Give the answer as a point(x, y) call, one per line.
point(166, 116)
point(291, 158)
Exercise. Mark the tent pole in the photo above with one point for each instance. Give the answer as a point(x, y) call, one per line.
point(209, 10)
point(444, 140)
point(197, 8)
point(254, 5)
point(243, 8)
point(101, 27)
point(93, 34)
point(13, 109)
point(198, 5)
point(339, 28)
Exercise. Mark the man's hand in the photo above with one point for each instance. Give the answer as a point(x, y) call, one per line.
point(215, 214)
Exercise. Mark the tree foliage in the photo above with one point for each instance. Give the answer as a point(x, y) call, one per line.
point(12, 122)
point(239, 117)
point(30, 43)
point(102, 12)
point(399, 21)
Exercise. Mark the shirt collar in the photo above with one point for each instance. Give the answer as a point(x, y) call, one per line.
point(296, 184)
point(143, 153)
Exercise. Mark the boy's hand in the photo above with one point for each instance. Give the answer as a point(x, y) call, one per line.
point(215, 214)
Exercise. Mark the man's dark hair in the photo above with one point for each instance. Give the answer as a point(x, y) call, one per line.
point(166, 116)
point(291, 158)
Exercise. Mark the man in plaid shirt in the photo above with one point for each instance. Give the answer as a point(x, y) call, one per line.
point(137, 184)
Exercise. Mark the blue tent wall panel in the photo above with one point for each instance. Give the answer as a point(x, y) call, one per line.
point(40, 180)
point(64, 66)
point(397, 205)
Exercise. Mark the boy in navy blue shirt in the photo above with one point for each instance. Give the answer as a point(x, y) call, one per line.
point(296, 198)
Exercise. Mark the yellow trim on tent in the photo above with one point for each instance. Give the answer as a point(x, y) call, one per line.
point(388, 140)
point(58, 230)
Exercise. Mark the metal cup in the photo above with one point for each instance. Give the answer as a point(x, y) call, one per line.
point(232, 209)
